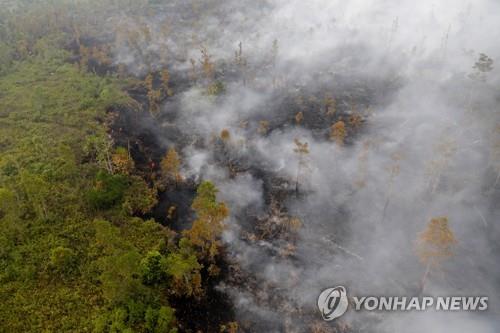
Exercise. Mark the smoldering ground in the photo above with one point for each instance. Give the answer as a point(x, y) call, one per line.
point(426, 146)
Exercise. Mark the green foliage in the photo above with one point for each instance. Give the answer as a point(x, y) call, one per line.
point(205, 202)
point(140, 319)
point(62, 267)
point(108, 190)
point(160, 320)
point(136, 310)
point(120, 276)
point(98, 149)
point(7, 202)
point(63, 260)
point(65, 267)
point(153, 268)
point(184, 269)
point(209, 225)
point(216, 88)
point(139, 197)
point(122, 161)
point(114, 321)
point(117, 320)
point(6, 57)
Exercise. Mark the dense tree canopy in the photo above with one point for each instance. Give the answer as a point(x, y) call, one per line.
point(73, 255)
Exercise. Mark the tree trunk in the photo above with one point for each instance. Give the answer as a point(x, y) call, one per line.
point(424, 278)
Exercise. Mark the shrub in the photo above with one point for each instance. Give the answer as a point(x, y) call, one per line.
point(63, 260)
point(108, 190)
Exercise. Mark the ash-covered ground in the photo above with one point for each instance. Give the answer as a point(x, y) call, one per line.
point(334, 131)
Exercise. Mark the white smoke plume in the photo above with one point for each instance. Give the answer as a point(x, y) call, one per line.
point(405, 67)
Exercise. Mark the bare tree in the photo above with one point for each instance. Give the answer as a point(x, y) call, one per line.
point(393, 169)
point(302, 151)
point(444, 149)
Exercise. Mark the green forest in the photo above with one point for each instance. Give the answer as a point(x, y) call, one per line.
point(74, 255)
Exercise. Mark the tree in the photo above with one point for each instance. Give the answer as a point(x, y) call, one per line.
point(495, 154)
point(165, 321)
point(165, 78)
point(330, 105)
point(263, 127)
point(153, 94)
point(37, 191)
point(302, 151)
point(225, 135)
point(216, 88)
point(206, 64)
point(355, 120)
point(240, 61)
point(481, 67)
point(393, 169)
point(122, 161)
point(274, 52)
point(444, 149)
point(99, 148)
point(139, 198)
point(100, 55)
point(160, 320)
point(299, 117)
point(209, 224)
point(120, 277)
point(205, 203)
point(148, 81)
point(184, 269)
point(363, 164)
point(153, 268)
point(154, 97)
point(84, 57)
point(338, 132)
point(63, 260)
point(7, 202)
point(274, 59)
point(238, 55)
point(435, 244)
point(231, 327)
point(170, 165)
point(292, 224)
point(108, 190)
point(171, 212)
point(106, 320)
point(193, 73)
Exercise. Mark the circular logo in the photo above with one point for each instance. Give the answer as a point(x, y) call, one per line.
point(332, 302)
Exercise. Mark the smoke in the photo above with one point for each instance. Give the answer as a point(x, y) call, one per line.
point(424, 148)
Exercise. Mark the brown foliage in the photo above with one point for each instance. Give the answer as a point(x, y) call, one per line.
point(122, 161)
point(170, 165)
point(165, 78)
point(338, 132)
point(263, 127)
point(330, 105)
point(435, 243)
point(231, 327)
point(207, 64)
point(299, 117)
point(355, 120)
point(154, 96)
point(225, 135)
